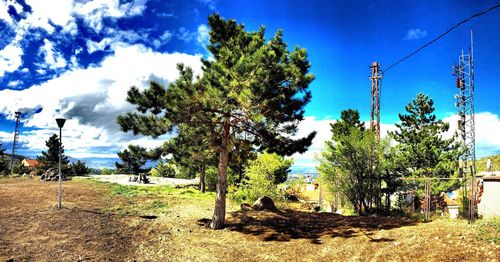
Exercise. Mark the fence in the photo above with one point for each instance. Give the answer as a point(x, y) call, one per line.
point(428, 196)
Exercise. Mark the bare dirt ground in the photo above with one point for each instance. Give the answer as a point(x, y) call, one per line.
point(32, 229)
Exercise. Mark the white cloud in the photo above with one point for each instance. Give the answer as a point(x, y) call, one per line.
point(10, 58)
point(185, 35)
point(203, 36)
point(52, 11)
point(308, 125)
point(116, 38)
point(4, 14)
point(211, 4)
point(6, 136)
point(93, 12)
point(163, 39)
point(92, 98)
point(415, 34)
point(53, 59)
point(487, 127)
point(14, 84)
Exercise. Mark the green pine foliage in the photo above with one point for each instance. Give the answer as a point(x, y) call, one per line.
point(421, 148)
point(79, 168)
point(191, 150)
point(349, 119)
point(351, 165)
point(251, 96)
point(358, 166)
point(133, 158)
point(50, 158)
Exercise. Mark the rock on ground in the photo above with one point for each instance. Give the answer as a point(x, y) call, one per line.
point(264, 203)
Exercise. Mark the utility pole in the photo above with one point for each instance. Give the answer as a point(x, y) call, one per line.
point(464, 73)
point(16, 138)
point(376, 79)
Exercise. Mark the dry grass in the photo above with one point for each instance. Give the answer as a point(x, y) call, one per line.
point(105, 222)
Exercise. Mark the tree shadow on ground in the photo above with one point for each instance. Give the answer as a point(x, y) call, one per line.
point(291, 224)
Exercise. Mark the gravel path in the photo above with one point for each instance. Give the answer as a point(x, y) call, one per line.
point(153, 181)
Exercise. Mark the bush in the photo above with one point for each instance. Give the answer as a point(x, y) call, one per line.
point(211, 178)
point(292, 188)
point(106, 171)
point(163, 169)
point(262, 176)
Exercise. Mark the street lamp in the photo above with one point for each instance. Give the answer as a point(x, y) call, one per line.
point(60, 124)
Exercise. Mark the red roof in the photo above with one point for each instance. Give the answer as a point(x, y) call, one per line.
point(32, 162)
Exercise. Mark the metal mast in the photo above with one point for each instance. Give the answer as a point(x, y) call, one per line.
point(16, 138)
point(464, 72)
point(376, 79)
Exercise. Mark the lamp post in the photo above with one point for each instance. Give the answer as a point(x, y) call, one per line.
point(60, 124)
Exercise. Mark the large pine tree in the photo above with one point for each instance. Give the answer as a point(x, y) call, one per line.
point(422, 149)
point(251, 92)
point(50, 158)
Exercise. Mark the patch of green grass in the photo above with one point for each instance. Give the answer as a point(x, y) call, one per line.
point(184, 193)
point(124, 190)
point(92, 181)
point(489, 230)
point(155, 200)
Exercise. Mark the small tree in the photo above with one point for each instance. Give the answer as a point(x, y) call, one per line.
point(352, 167)
point(106, 171)
point(263, 175)
point(3, 163)
point(79, 168)
point(352, 163)
point(50, 158)
point(133, 158)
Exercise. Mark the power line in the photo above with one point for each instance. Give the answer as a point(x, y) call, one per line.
point(443, 34)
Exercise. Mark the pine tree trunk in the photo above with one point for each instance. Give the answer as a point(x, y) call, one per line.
point(220, 200)
point(202, 178)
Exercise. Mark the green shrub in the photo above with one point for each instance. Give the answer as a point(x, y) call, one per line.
point(262, 176)
point(211, 178)
point(163, 169)
point(293, 187)
point(106, 171)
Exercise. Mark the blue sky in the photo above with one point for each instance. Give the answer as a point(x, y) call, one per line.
point(77, 59)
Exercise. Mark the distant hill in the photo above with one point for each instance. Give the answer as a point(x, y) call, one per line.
point(495, 163)
point(16, 156)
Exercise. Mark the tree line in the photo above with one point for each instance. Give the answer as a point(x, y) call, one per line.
point(367, 171)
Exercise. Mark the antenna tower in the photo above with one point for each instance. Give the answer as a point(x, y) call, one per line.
point(376, 79)
point(464, 73)
point(16, 138)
